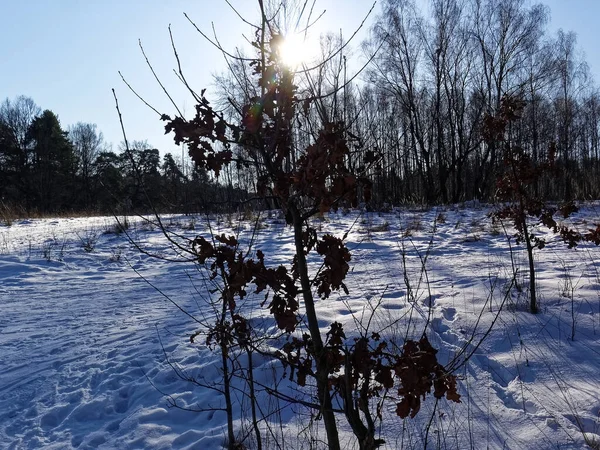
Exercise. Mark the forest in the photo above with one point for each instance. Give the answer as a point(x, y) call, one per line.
point(46, 169)
point(418, 101)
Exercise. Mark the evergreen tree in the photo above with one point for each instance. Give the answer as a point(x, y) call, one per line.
point(173, 181)
point(142, 179)
point(54, 163)
point(107, 181)
point(9, 154)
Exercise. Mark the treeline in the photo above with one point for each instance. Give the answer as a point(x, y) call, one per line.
point(47, 169)
point(432, 77)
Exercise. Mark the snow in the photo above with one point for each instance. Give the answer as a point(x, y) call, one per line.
point(93, 348)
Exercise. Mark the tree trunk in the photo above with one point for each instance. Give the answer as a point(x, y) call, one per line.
point(533, 307)
point(322, 376)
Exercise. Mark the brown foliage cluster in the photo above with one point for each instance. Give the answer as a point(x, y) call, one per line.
point(419, 371)
point(237, 271)
point(298, 355)
point(322, 172)
point(203, 134)
point(367, 367)
point(336, 267)
point(494, 126)
point(370, 368)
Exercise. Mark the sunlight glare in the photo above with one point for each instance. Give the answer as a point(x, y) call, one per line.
point(297, 49)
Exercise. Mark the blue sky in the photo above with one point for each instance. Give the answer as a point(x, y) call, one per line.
point(66, 54)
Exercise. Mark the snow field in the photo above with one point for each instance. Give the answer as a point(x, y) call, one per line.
point(94, 353)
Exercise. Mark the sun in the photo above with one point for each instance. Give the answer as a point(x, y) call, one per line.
point(296, 49)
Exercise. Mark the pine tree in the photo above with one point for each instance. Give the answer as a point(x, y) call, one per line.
point(54, 163)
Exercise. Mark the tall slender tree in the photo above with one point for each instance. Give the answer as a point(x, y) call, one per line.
point(87, 143)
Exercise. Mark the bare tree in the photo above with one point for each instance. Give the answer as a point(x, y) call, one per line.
point(87, 142)
point(18, 116)
point(572, 74)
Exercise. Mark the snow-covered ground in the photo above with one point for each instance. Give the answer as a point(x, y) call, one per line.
point(94, 345)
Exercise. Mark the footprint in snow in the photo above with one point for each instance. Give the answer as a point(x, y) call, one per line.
point(512, 397)
point(585, 424)
point(449, 314)
point(499, 374)
point(438, 326)
point(392, 305)
point(55, 416)
point(444, 332)
point(431, 300)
